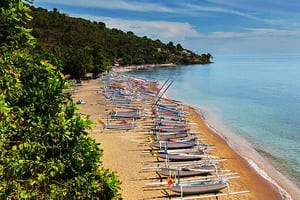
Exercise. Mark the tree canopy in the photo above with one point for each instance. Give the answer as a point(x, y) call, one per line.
point(72, 39)
point(45, 152)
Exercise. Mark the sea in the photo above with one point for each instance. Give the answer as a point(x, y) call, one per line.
point(253, 97)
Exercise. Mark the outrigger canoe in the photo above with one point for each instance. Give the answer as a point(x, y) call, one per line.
point(198, 187)
point(173, 145)
point(184, 156)
point(186, 171)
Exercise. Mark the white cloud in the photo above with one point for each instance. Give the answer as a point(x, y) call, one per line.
point(289, 7)
point(181, 8)
point(226, 34)
point(164, 30)
point(274, 32)
point(257, 32)
point(167, 30)
point(245, 45)
point(251, 40)
point(113, 4)
point(216, 9)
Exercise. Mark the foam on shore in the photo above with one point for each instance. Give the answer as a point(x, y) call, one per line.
point(242, 147)
point(255, 160)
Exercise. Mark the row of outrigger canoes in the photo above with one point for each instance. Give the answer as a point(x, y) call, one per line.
point(183, 163)
point(173, 142)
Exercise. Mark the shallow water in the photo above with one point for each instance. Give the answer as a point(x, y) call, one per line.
point(255, 97)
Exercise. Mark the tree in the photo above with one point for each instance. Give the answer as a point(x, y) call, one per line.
point(78, 63)
point(62, 36)
point(170, 44)
point(130, 33)
point(171, 47)
point(209, 56)
point(45, 152)
point(101, 24)
point(101, 64)
point(179, 47)
point(206, 58)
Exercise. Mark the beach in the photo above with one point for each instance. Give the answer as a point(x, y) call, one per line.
point(249, 178)
point(130, 68)
point(123, 153)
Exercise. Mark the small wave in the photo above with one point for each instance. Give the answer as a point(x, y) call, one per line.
point(234, 145)
point(284, 194)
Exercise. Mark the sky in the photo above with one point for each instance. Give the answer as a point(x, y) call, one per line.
point(214, 26)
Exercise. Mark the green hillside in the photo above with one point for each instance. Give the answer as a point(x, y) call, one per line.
point(80, 46)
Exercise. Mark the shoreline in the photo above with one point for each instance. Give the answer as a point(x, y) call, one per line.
point(286, 192)
point(260, 164)
point(130, 68)
point(120, 153)
point(250, 177)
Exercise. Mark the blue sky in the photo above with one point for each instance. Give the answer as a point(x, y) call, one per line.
point(215, 26)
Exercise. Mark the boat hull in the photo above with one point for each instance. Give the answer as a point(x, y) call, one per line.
point(179, 157)
point(173, 145)
point(163, 129)
point(120, 126)
point(201, 189)
point(170, 136)
point(197, 171)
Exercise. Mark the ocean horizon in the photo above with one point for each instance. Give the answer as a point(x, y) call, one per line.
point(254, 97)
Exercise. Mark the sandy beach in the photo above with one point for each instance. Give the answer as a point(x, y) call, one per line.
point(123, 153)
point(249, 178)
point(140, 67)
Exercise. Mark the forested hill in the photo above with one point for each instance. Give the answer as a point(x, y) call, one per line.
point(82, 46)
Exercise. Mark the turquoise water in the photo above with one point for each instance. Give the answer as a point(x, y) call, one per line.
point(256, 97)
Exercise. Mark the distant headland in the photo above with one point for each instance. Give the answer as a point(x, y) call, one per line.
point(80, 46)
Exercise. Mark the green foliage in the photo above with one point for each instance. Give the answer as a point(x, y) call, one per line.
point(13, 35)
point(179, 47)
point(206, 57)
point(63, 35)
point(78, 63)
point(45, 152)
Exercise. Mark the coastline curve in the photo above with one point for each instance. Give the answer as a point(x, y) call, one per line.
point(258, 163)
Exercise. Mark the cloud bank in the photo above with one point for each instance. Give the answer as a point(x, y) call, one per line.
point(164, 30)
point(114, 4)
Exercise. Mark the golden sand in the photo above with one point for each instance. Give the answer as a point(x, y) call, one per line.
point(123, 153)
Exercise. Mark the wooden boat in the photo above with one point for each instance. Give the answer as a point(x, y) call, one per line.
point(169, 136)
point(135, 114)
point(167, 129)
point(171, 124)
point(173, 118)
point(127, 126)
point(178, 157)
point(169, 114)
point(165, 121)
point(174, 126)
point(200, 187)
point(186, 171)
point(169, 108)
point(183, 151)
point(188, 139)
point(173, 145)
